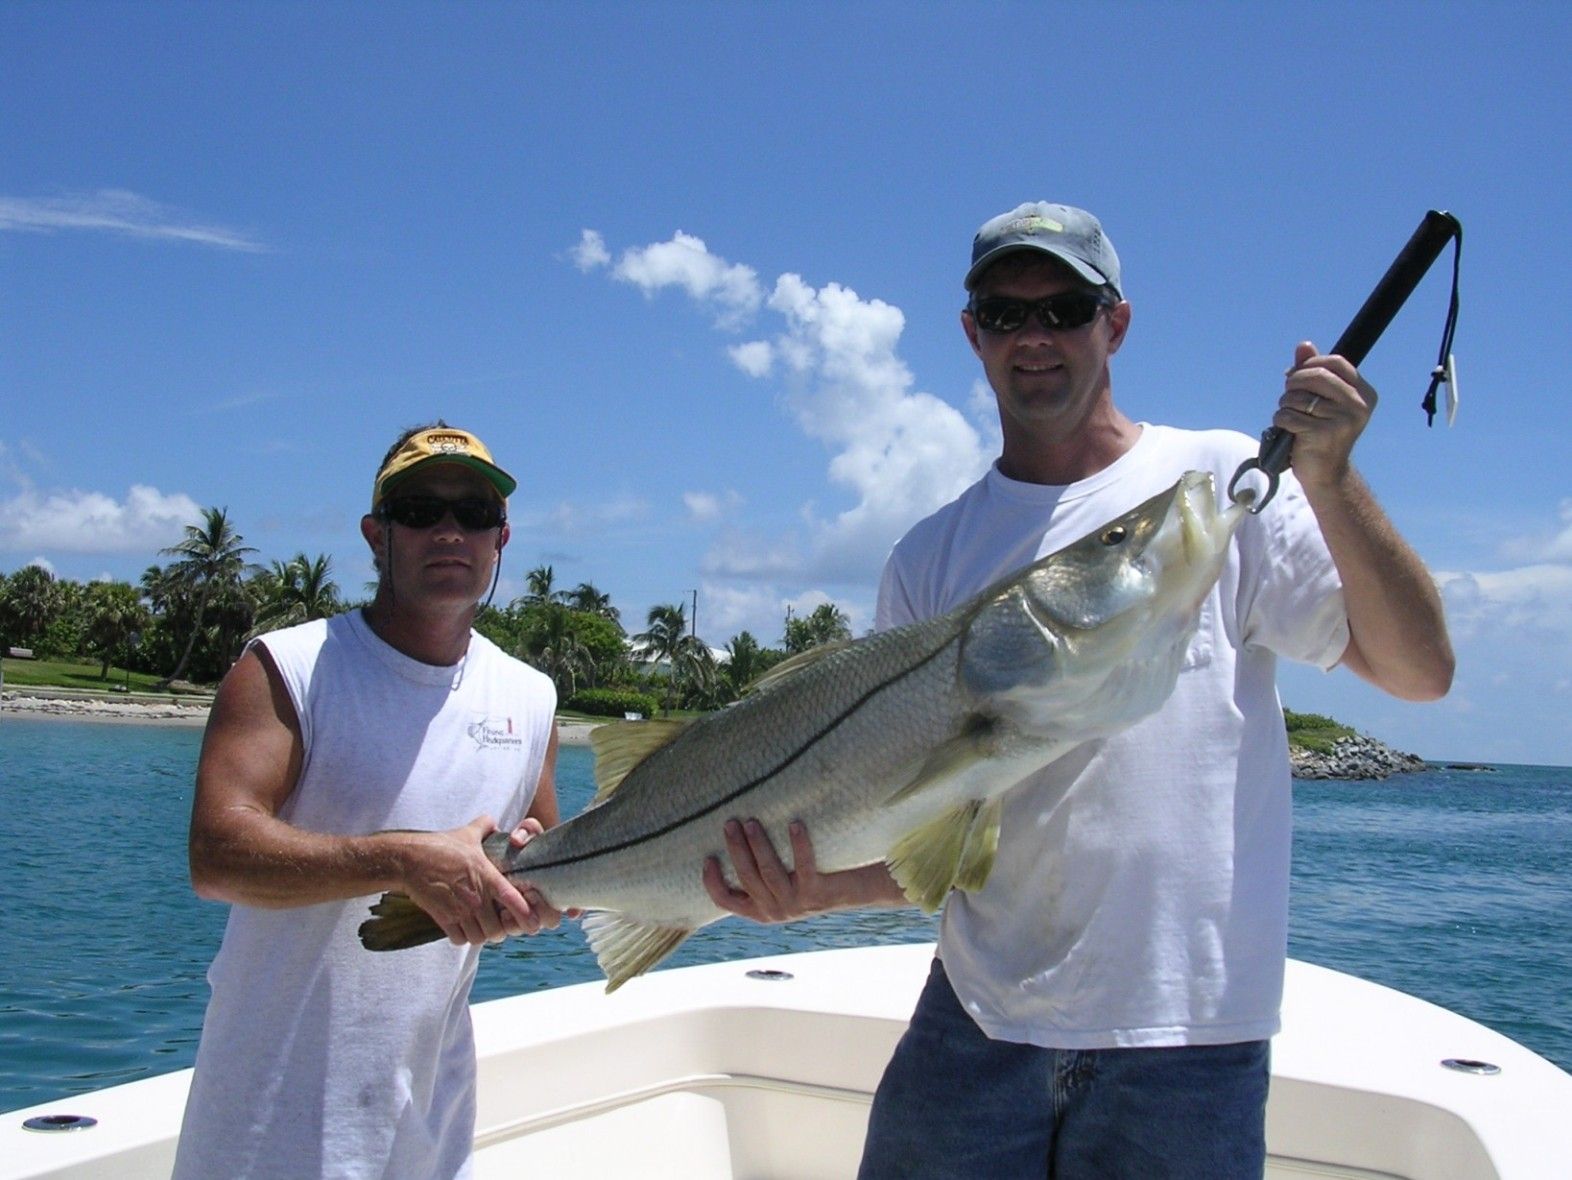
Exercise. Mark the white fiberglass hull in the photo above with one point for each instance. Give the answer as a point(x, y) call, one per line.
point(717, 1072)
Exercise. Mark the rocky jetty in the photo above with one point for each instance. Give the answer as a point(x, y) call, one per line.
point(1355, 757)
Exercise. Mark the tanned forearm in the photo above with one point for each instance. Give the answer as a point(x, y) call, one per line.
point(1395, 617)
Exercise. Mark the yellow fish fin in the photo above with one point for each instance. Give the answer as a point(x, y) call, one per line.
point(621, 745)
point(926, 861)
point(794, 664)
point(625, 947)
point(398, 924)
point(982, 841)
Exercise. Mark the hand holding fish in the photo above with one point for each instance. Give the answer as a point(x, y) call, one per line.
point(1325, 405)
point(767, 891)
point(451, 878)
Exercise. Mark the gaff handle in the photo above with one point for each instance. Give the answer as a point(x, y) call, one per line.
point(1407, 269)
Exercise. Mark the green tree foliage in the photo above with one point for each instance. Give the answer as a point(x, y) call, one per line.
point(540, 586)
point(294, 591)
point(33, 600)
point(115, 620)
point(211, 565)
point(1314, 732)
point(746, 661)
point(827, 624)
point(690, 668)
point(587, 599)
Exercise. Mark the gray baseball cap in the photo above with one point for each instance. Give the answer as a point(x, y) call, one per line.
point(1071, 235)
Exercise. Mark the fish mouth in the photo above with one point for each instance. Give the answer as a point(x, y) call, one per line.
point(1203, 531)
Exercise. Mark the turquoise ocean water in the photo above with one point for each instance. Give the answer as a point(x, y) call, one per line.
point(1450, 884)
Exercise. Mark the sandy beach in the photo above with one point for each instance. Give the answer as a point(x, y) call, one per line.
point(169, 711)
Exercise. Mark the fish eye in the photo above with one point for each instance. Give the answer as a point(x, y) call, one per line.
point(1114, 535)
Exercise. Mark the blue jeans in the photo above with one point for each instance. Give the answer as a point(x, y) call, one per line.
point(954, 1103)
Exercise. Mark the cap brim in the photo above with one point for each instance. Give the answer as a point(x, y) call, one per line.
point(492, 474)
point(1086, 272)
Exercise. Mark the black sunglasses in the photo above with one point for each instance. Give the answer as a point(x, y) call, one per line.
point(1068, 309)
point(474, 513)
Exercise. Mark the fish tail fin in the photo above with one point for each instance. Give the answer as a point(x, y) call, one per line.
point(954, 850)
point(625, 947)
point(397, 925)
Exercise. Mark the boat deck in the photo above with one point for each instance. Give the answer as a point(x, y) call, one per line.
point(765, 1069)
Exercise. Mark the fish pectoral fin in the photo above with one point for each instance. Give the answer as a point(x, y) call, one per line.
point(948, 759)
point(625, 947)
point(927, 862)
point(621, 745)
point(398, 924)
point(982, 842)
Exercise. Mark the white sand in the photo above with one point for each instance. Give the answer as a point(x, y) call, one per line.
point(18, 703)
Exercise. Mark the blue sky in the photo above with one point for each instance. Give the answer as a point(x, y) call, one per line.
point(693, 271)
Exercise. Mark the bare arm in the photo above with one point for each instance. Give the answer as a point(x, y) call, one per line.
point(767, 891)
point(242, 852)
point(1398, 639)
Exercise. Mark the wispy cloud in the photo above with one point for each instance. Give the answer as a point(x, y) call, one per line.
point(115, 211)
point(91, 522)
point(1554, 544)
point(706, 507)
point(569, 518)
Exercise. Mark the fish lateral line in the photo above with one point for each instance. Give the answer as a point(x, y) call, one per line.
point(751, 784)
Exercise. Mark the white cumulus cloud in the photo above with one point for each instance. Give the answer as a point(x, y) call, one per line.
point(894, 452)
point(756, 358)
point(731, 290)
point(92, 522)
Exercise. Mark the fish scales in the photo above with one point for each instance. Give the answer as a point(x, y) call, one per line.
point(859, 735)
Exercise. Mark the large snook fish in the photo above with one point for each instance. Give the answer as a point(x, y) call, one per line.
point(896, 747)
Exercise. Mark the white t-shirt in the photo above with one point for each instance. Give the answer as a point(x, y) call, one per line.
point(1140, 894)
point(319, 1058)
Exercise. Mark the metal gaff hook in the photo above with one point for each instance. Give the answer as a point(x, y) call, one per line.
point(1423, 248)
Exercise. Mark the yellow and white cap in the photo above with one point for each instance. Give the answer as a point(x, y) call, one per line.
point(440, 444)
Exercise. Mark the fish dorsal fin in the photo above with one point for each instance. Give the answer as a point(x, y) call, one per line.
point(625, 947)
point(955, 850)
point(949, 759)
point(794, 664)
point(621, 745)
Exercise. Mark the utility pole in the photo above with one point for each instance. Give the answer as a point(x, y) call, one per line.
point(695, 631)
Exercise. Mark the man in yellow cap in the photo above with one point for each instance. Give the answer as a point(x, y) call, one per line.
point(344, 757)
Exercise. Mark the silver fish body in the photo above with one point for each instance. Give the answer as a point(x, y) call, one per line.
point(895, 747)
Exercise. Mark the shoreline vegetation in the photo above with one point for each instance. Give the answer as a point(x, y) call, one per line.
point(1319, 748)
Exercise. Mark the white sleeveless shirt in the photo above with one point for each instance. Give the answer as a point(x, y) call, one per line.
point(318, 1057)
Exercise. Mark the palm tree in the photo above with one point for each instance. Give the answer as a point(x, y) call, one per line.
point(538, 586)
point(32, 600)
point(827, 624)
point(212, 558)
point(746, 661)
point(115, 615)
point(551, 645)
point(585, 597)
point(296, 591)
point(686, 656)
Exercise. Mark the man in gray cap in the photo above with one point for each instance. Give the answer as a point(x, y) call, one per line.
point(1102, 1008)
